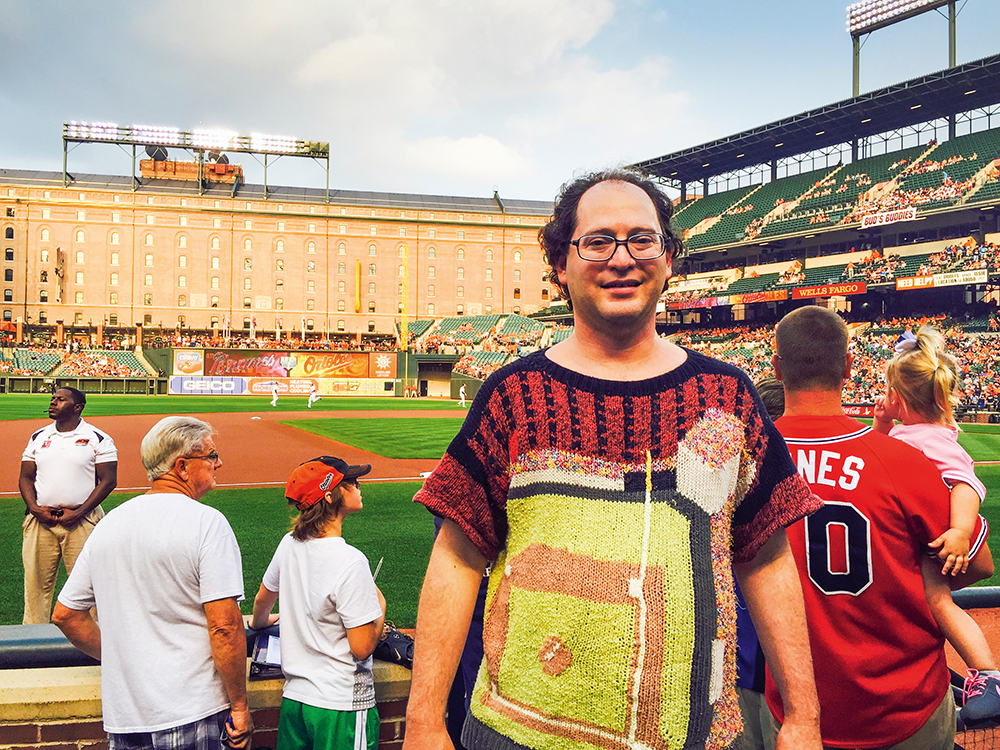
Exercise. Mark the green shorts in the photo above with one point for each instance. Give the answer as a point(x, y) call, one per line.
point(303, 727)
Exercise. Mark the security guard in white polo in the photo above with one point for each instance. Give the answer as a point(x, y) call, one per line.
point(67, 470)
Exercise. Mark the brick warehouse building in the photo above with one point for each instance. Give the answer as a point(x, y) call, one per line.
point(165, 254)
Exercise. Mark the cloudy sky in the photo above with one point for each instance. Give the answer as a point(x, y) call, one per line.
point(453, 97)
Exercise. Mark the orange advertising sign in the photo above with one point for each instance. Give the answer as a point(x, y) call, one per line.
point(382, 365)
point(188, 361)
point(330, 365)
point(914, 282)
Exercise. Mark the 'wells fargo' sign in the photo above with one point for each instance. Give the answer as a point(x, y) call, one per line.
point(829, 290)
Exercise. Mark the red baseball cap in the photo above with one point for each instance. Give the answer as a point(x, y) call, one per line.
point(312, 479)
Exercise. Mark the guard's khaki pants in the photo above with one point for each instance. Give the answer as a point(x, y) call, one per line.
point(41, 549)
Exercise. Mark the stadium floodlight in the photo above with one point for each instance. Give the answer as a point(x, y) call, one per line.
point(868, 15)
point(215, 140)
point(96, 131)
point(155, 135)
point(280, 144)
point(199, 140)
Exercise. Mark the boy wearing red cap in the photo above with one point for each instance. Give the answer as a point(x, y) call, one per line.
point(332, 614)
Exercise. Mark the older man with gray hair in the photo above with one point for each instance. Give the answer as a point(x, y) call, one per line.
point(165, 574)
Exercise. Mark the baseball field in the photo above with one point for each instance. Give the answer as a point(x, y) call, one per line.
point(259, 445)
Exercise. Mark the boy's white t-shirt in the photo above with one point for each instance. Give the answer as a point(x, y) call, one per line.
point(325, 586)
point(150, 566)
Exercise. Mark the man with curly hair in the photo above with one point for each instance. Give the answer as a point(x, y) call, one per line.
point(613, 482)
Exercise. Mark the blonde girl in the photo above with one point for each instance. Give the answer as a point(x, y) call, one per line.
point(922, 380)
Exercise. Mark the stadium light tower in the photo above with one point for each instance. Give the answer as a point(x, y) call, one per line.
point(868, 15)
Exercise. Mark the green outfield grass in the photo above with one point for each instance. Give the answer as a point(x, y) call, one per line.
point(982, 441)
point(401, 437)
point(35, 405)
point(390, 526)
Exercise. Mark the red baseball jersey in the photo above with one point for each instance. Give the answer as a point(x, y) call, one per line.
point(877, 652)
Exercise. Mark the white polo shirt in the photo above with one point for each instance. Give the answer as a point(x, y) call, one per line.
point(66, 462)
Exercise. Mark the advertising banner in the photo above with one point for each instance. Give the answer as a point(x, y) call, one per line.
point(701, 302)
point(201, 386)
point(829, 290)
point(914, 282)
point(888, 217)
point(382, 365)
point(286, 386)
point(249, 363)
point(325, 387)
point(188, 362)
point(960, 278)
point(859, 410)
point(279, 364)
point(328, 365)
point(772, 295)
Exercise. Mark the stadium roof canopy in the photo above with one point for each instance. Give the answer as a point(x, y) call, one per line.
point(939, 95)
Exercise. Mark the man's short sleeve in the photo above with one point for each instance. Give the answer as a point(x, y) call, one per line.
point(778, 496)
point(30, 449)
point(107, 451)
point(220, 565)
point(356, 596)
point(78, 593)
point(469, 485)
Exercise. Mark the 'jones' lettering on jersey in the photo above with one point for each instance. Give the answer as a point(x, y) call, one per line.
point(829, 468)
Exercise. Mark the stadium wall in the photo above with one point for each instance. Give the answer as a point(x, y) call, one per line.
point(60, 708)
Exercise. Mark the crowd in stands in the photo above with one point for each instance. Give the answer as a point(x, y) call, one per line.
point(793, 274)
point(946, 191)
point(929, 165)
point(514, 342)
point(346, 342)
point(872, 344)
point(474, 368)
point(435, 343)
point(497, 340)
point(99, 364)
point(875, 269)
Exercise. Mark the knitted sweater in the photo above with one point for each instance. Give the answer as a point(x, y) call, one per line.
point(613, 512)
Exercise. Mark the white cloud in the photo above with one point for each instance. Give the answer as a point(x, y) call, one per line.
point(480, 158)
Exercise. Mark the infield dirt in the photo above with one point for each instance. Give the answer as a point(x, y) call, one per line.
point(256, 450)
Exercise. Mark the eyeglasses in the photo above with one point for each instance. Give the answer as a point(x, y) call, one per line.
point(600, 247)
point(213, 456)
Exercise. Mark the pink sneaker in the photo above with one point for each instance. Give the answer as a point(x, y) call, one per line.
point(980, 699)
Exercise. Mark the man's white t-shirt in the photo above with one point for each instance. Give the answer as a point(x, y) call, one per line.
point(325, 586)
point(149, 567)
point(65, 462)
